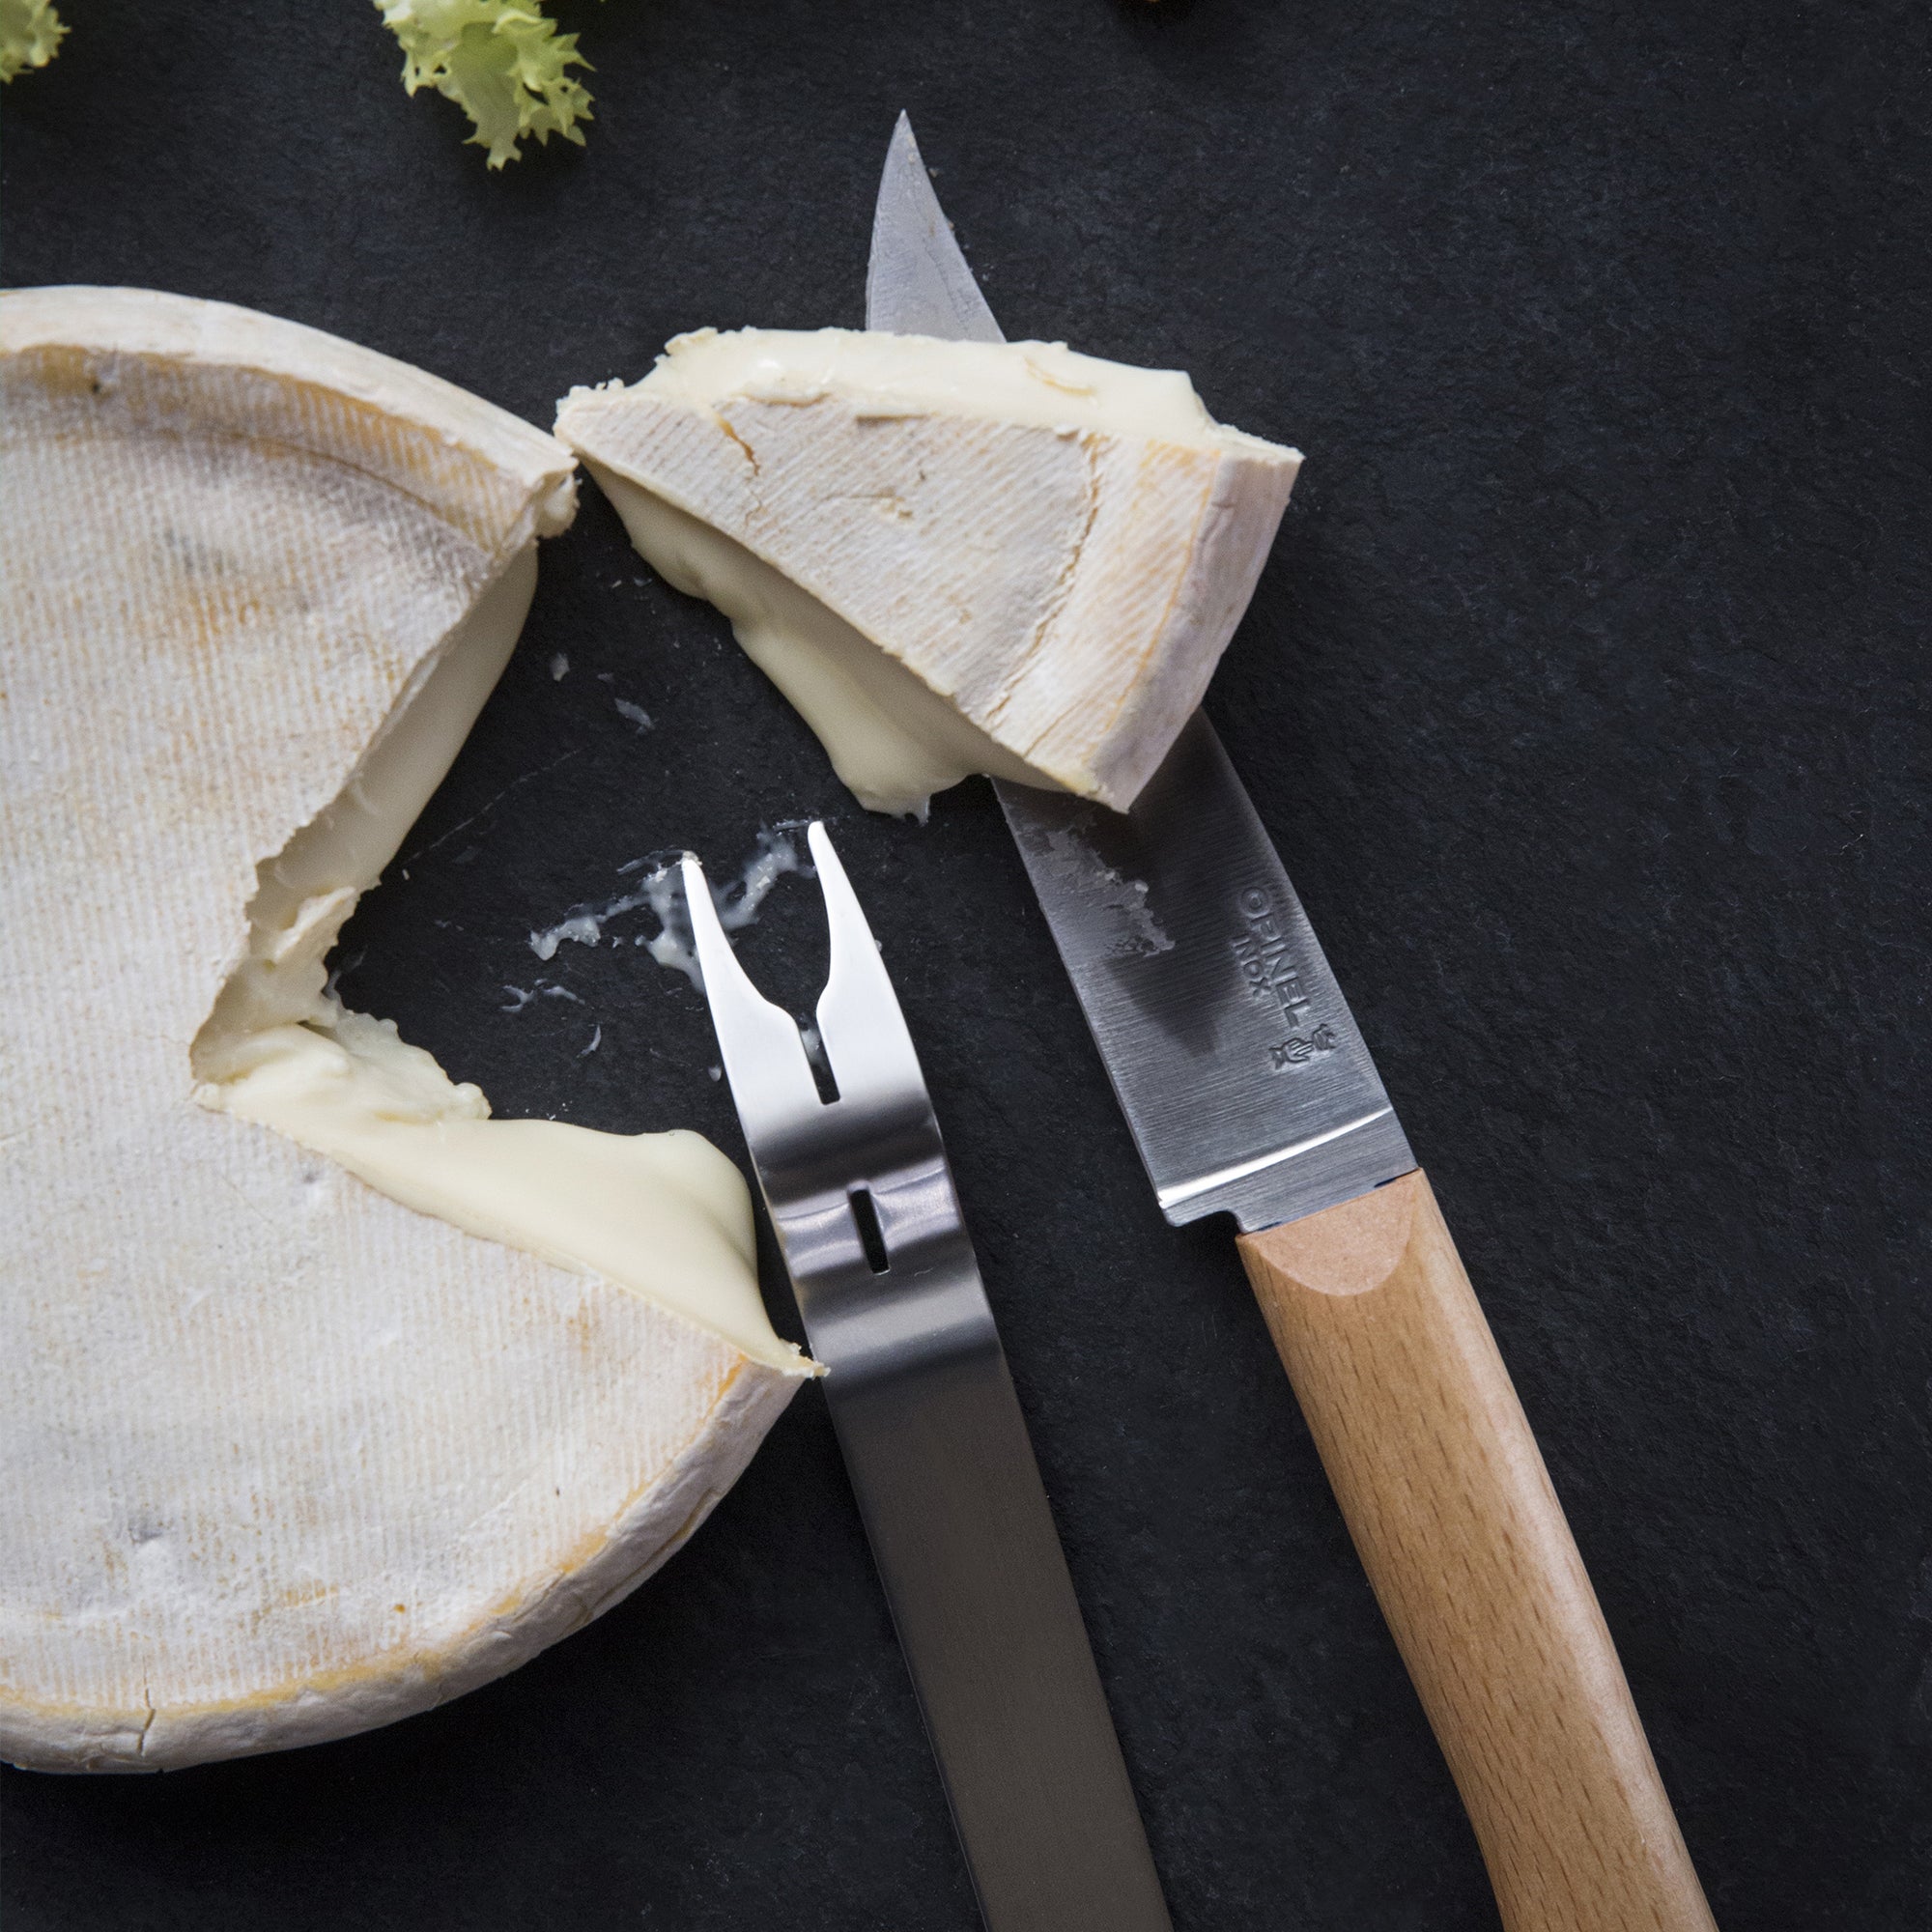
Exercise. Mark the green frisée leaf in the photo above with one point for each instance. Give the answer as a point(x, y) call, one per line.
point(30, 35)
point(501, 60)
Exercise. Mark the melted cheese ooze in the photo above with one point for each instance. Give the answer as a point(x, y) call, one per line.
point(892, 740)
point(1034, 385)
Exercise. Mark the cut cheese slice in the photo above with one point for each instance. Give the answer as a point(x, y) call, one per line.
point(323, 1396)
point(951, 557)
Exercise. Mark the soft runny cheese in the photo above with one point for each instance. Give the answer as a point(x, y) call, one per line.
point(951, 557)
point(323, 1396)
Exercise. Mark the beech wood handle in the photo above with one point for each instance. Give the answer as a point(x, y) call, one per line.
point(1465, 1543)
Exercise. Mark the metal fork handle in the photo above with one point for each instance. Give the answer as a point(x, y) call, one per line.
point(990, 1626)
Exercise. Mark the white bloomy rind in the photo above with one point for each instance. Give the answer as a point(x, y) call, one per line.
point(1055, 548)
point(290, 1452)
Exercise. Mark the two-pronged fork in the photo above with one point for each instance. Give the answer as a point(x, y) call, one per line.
point(868, 1221)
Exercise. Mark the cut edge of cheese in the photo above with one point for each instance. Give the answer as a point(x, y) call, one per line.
point(662, 1214)
point(1053, 546)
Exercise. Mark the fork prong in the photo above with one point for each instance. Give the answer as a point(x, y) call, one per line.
point(860, 1023)
point(764, 1057)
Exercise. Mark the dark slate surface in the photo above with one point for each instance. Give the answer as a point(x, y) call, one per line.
point(1580, 698)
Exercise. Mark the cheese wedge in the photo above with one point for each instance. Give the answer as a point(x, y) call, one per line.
point(323, 1396)
point(951, 557)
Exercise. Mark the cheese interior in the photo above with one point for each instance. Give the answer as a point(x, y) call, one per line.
point(892, 740)
point(664, 1216)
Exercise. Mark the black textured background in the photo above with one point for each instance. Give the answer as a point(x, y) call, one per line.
point(1584, 697)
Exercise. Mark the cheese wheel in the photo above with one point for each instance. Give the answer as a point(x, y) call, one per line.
point(323, 1396)
point(952, 556)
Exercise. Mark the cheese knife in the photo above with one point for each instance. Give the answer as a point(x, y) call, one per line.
point(1249, 1091)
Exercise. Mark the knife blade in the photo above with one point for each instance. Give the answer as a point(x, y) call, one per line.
point(1249, 1090)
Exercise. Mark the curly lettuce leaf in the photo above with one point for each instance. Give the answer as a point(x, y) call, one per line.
point(30, 35)
point(501, 60)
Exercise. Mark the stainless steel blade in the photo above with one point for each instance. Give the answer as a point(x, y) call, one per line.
point(917, 281)
point(1235, 1056)
point(932, 1435)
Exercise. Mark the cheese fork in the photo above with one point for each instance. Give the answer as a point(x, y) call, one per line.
point(868, 1221)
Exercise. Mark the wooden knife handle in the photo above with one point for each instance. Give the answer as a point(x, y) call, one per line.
point(1465, 1543)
